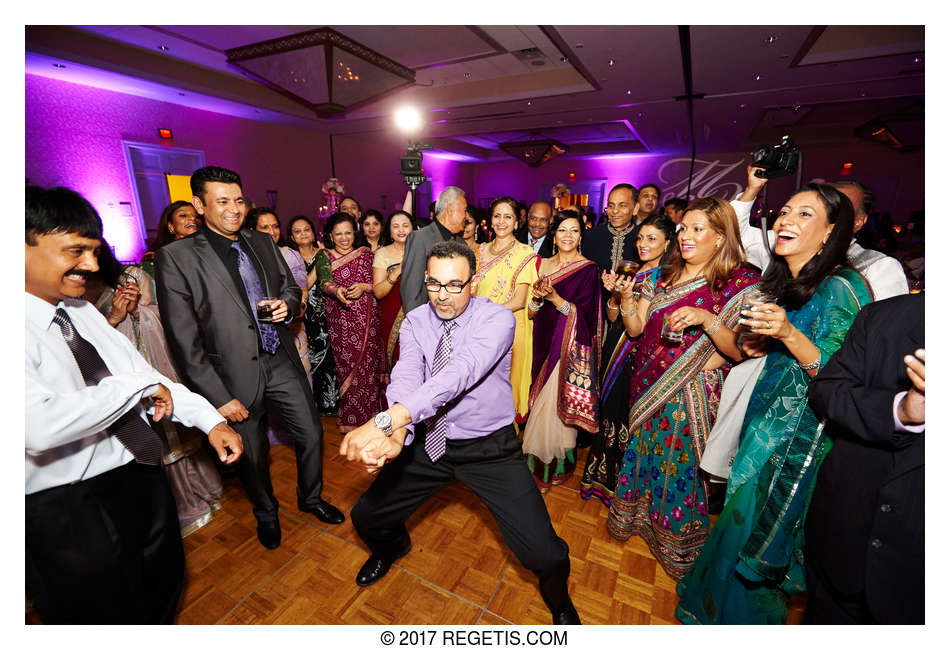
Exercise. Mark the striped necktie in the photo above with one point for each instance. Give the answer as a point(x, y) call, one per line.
point(131, 431)
point(435, 436)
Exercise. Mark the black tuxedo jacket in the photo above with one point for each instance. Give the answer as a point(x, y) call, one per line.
point(547, 246)
point(208, 323)
point(865, 526)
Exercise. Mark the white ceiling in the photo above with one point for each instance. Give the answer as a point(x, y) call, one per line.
point(476, 89)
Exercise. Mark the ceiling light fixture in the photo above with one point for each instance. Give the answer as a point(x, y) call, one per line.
point(771, 39)
point(629, 92)
point(163, 48)
point(334, 73)
point(534, 152)
point(758, 77)
point(610, 62)
point(563, 59)
point(58, 65)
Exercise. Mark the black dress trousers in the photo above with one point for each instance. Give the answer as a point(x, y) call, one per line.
point(106, 550)
point(493, 467)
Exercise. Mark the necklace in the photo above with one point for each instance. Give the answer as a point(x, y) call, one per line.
point(491, 248)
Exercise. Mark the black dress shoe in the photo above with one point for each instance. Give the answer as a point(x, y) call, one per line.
point(268, 534)
point(376, 567)
point(567, 616)
point(325, 512)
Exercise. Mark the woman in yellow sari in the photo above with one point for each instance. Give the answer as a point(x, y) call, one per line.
point(504, 274)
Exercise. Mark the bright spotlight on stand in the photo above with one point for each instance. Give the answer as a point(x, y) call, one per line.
point(408, 120)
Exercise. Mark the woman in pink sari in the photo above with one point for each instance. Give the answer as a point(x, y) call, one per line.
point(660, 494)
point(345, 274)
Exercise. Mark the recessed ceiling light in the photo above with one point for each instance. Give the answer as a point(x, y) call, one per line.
point(735, 121)
point(610, 62)
point(771, 39)
point(58, 65)
point(917, 59)
point(529, 103)
point(468, 75)
point(641, 115)
point(758, 77)
point(563, 59)
point(741, 106)
point(163, 48)
point(579, 46)
point(629, 92)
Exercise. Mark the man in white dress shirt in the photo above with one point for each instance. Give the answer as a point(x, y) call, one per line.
point(102, 536)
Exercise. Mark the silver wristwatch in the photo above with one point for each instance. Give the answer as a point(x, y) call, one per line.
point(384, 423)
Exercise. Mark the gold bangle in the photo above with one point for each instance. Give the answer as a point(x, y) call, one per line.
point(628, 313)
point(611, 305)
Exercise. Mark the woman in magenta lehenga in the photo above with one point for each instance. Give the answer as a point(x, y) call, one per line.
point(345, 274)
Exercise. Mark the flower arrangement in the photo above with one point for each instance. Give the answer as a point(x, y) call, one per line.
point(333, 185)
point(560, 191)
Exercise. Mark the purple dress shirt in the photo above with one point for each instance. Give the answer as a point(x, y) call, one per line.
point(476, 382)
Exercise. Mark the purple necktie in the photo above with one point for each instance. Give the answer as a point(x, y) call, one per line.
point(131, 431)
point(255, 294)
point(435, 436)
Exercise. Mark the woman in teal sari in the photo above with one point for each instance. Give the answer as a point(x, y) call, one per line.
point(661, 495)
point(753, 559)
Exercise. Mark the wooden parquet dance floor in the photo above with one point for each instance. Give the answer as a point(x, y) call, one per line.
point(459, 571)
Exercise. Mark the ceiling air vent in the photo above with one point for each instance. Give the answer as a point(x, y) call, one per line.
point(531, 57)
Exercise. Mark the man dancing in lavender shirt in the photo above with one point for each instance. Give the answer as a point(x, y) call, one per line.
point(453, 378)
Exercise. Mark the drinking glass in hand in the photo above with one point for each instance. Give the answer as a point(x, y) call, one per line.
point(668, 335)
point(756, 297)
point(627, 267)
point(265, 310)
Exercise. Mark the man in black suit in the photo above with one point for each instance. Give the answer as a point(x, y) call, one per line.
point(864, 534)
point(448, 224)
point(536, 233)
point(209, 287)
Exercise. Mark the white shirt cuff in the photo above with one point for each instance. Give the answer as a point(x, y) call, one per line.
point(900, 426)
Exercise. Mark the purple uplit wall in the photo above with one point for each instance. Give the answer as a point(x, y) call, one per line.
point(896, 178)
point(74, 137)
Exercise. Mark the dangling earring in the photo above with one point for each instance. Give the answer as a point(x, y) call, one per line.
point(554, 248)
